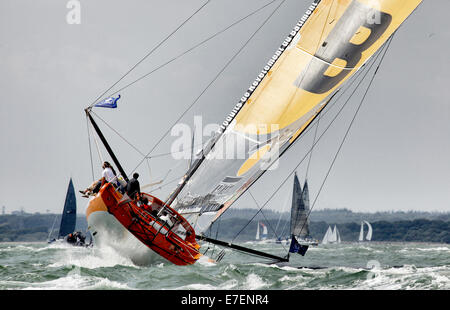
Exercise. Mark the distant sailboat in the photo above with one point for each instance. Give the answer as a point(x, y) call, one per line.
point(300, 232)
point(327, 235)
point(331, 236)
point(69, 215)
point(369, 233)
point(68, 220)
point(264, 232)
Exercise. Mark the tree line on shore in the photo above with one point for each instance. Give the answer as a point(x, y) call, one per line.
point(236, 225)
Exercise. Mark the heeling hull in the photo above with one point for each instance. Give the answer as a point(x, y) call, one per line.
point(107, 231)
point(133, 225)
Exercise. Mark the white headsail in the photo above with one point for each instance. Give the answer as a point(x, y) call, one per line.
point(369, 233)
point(361, 232)
point(327, 237)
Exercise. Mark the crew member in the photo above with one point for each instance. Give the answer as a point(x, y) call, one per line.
point(108, 175)
point(133, 187)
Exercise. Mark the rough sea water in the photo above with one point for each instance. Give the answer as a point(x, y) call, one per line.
point(365, 266)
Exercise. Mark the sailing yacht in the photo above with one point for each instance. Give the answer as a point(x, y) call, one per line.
point(331, 42)
point(332, 236)
point(300, 214)
point(369, 232)
point(68, 221)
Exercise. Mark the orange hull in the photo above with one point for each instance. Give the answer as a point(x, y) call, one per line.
point(144, 223)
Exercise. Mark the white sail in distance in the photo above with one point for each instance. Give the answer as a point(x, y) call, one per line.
point(361, 233)
point(327, 237)
point(369, 233)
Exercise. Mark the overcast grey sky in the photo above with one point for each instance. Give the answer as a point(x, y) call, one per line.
point(395, 158)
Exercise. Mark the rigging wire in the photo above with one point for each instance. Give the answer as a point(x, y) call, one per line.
point(267, 221)
point(116, 132)
point(192, 48)
point(351, 124)
point(165, 184)
point(166, 63)
point(157, 68)
point(320, 137)
point(281, 214)
point(134, 147)
point(212, 82)
point(151, 52)
point(312, 147)
point(98, 150)
point(90, 149)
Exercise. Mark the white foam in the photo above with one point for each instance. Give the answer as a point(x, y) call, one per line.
point(206, 261)
point(228, 285)
point(253, 282)
point(94, 258)
point(408, 277)
point(75, 280)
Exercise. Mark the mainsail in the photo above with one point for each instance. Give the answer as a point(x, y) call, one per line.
point(300, 211)
point(327, 237)
point(69, 214)
point(331, 42)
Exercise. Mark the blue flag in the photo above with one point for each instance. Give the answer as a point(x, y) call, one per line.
point(110, 102)
point(297, 248)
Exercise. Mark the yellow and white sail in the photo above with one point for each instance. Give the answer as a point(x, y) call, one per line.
point(332, 40)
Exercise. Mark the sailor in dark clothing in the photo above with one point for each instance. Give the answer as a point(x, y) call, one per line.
point(76, 239)
point(133, 188)
point(80, 238)
point(71, 238)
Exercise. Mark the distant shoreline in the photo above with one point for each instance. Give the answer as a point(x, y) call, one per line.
point(387, 227)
